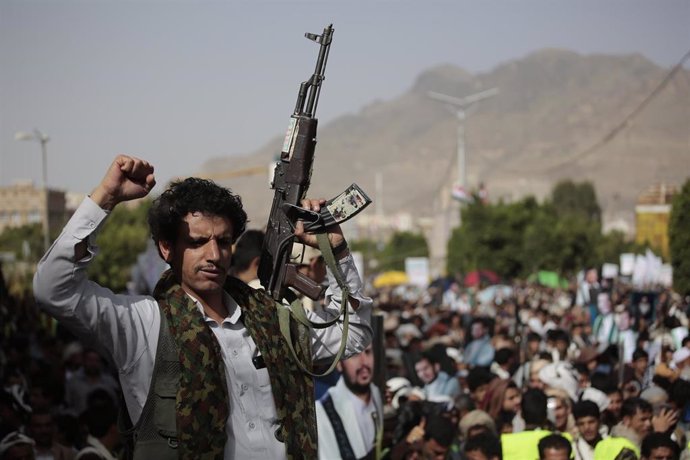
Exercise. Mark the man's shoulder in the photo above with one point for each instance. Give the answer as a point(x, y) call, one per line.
point(337, 391)
point(245, 294)
point(322, 404)
point(443, 376)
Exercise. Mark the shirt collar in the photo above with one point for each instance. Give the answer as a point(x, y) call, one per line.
point(234, 310)
point(359, 405)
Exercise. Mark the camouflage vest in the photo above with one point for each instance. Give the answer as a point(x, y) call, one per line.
point(184, 415)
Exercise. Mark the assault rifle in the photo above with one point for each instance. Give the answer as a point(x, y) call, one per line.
point(291, 179)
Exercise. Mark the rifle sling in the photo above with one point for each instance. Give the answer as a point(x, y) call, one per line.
point(296, 310)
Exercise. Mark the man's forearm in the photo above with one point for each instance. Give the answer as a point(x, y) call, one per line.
point(58, 274)
point(327, 341)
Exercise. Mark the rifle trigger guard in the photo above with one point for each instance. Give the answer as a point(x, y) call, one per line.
point(312, 220)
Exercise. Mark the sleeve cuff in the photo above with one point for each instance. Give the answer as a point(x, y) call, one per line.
point(352, 278)
point(86, 221)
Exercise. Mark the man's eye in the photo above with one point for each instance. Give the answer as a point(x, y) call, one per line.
point(225, 242)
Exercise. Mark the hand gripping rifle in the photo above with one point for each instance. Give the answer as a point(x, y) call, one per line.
point(291, 180)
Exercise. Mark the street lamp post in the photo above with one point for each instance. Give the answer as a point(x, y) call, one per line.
point(43, 139)
point(448, 214)
point(461, 105)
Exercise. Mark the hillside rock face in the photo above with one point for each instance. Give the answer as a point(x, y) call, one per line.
point(551, 121)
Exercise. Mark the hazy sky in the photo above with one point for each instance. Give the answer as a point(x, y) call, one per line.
point(179, 82)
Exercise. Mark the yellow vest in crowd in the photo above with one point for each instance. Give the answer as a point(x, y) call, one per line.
point(523, 445)
point(609, 448)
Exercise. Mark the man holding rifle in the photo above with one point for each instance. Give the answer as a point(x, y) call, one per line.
point(205, 370)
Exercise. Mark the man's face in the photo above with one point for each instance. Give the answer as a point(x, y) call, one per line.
point(554, 454)
point(478, 330)
point(562, 347)
point(476, 455)
point(511, 400)
point(624, 321)
point(535, 382)
point(641, 423)
point(640, 365)
point(358, 371)
point(479, 393)
point(604, 303)
point(434, 450)
point(661, 453)
point(74, 361)
point(615, 403)
point(92, 363)
point(425, 370)
point(560, 412)
point(42, 429)
point(533, 346)
point(589, 428)
point(38, 398)
point(201, 255)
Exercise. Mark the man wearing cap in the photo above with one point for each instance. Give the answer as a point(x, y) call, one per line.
point(72, 359)
point(16, 446)
point(350, 414)
point(14, 409)
point(561, 375)
point(681, 361)
point(476, 422)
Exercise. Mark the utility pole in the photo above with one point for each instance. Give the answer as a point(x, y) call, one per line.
point(447, 215)
point(43, 139)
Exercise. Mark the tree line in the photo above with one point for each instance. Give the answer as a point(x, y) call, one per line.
point(516, 239)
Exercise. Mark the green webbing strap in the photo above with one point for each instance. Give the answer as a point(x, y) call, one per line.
point(296, 310)
point(378, 444)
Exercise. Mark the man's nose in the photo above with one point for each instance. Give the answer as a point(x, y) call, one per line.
point(212, 250)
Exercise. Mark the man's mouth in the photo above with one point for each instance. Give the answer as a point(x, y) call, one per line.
point(210, 270)
point(364, 372)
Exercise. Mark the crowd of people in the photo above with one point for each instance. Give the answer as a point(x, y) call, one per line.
point(530, 372)
point(596, 371)
point(204, 368)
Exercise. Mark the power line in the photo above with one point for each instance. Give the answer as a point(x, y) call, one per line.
point(626, 121)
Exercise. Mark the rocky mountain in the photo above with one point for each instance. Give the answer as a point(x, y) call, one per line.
point(551, 120)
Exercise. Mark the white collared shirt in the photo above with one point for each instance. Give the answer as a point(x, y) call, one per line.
point(127, 327)
point(365, 419)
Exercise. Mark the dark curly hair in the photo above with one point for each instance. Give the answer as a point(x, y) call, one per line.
point(193, 195)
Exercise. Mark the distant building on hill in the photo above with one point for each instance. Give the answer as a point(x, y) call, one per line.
point(652, 214)
point(23, 204)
